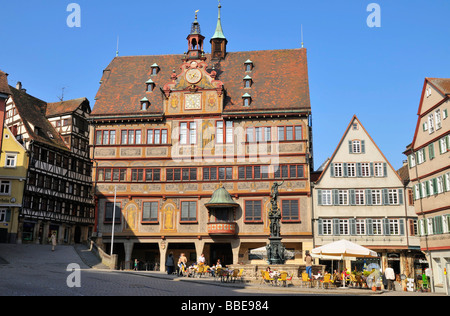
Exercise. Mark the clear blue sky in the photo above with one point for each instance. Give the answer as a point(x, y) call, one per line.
point(375, 73)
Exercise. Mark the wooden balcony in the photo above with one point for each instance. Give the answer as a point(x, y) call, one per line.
point(222, 228)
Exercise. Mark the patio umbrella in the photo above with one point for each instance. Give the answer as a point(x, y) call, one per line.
point(342, 250)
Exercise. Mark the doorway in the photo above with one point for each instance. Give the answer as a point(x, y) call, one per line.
point(77, 235)
point(221, 251)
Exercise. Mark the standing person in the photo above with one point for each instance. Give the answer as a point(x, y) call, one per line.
point(182, 264)
point(135, 264)
point(390, 277)
point(308, 260)
point(53, 241)
point(170, 264)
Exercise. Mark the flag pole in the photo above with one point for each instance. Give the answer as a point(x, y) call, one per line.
point(114, 220)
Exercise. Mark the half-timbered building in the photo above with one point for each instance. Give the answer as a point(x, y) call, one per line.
point(188, 147)
point(58, 190)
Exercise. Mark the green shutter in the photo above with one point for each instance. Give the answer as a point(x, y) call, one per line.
point(320, 227)
point(369, 226)
point(384, 169)
point(400, 196)
point(368, 197)
point(431, 150)
point(331, 169)
point(352, 197)
point(319, 197)
point(350, 148)
point(363, 146)
point(402, 227)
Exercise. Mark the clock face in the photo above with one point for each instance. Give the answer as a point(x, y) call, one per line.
point(193, 101)
point(193, 75)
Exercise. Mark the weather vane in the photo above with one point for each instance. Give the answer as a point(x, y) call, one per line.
point(196, 14)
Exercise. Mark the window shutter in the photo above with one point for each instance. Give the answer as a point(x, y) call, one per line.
point(435, 188)
point(350, 148)
point(352, 197)
point(402, 227)
point(384, 169)
point(369, 225)
point(319, 197)
point(363, 146)
point(385, 197)
point(386, 226)
point(320, 226)
point(368, 197)
point(424, 156)
point(431, 150)
point(400, 196)
point(8, 215)
point(336, 227)
point(332, 169)
point(358, 169)
point(371, 169)
point(427, 188)
point(352, 226)
point(335, 197)
point(345, 170)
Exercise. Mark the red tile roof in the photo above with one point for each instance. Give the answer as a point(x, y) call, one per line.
point(279, 82)
point(63, 107)
point(442, 84)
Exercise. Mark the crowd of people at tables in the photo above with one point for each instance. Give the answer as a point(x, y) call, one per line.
point(182, 269)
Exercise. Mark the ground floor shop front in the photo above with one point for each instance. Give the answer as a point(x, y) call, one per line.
point(152, 253)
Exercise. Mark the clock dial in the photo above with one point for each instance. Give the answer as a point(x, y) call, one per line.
point(193, 101)
point(193, 75)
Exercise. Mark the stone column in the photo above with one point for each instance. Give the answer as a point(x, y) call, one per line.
point(235, 247)
point(128, 246)
point(199, 246)
point(163, 246)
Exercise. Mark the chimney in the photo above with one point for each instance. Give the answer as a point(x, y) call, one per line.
point(19, 85)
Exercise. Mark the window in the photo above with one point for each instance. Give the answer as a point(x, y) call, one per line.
point(289, 132)
point(365, 169)
point(360, 227)
point(327, 226)
point(217, 173)
point(377, 227)
point(356, 146)
point(188, 211)
point(344, 227)
point(439, 184)
point(327, 197)
point(351, 169)
point(253, 172)
point(412, 160)
point(253, 210)
point(443, 145)
point(359, 197)
point(376, 197)
point(150, 211)
point(109, 210)
point(394, 226)
point(420, 156)
point(10, 160)
point(178, 174)
point(137, 175)
point(378, 169)
point(188, 133)
point(131, 137)
point(156, 136)
point(431, 123)
point(289, 171)
point(393, 196)
point(290, 210)
point(248, 65)
point(5, 187)
point(437, 116)
point(226, 137)
point(111, 175)
point(343, 197)
point(338, 170)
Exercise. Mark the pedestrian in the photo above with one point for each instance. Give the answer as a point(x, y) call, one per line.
point(308, 260)
point(201, 260)
point(135, 264)
point(53, 237)
point(390, 277)
point(182, 264)
point(170, 264)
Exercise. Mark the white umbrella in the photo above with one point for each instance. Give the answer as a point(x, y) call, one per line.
point(342, 249)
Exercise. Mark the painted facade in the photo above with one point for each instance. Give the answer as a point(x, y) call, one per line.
point(169, 130)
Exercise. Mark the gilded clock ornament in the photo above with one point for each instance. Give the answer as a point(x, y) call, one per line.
point(193, 101)
point(193, 75)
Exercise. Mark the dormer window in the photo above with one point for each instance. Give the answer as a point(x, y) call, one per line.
point(155, 69)
point(248, 65)
point(247, 81)
point(145, 103)
point(150, 85)
point(247, 99)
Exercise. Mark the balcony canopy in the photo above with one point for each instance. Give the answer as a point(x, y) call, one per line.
point(221, 199)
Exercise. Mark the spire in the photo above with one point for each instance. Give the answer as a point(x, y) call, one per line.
point(219, 31)
point(195, 28)
point(219, 41)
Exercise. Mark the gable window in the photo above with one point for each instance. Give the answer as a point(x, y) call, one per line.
point(247, 98)
point(150, 85)
point(248, 65)
point(155, 69)
point(431, 123)
point(247, 82)
point(145, 104)
point(378, 169)
point(356, 146)
point(437, 116)
point(337, 168)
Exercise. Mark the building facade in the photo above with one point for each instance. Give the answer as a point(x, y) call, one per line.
point(169, 131)
point(13, 174)
point(361, 198)
point(429, 170)
point(58, 191)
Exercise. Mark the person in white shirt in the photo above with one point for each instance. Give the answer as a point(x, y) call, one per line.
point(390, 277)
point(201, 260)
